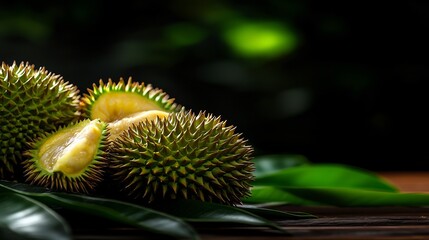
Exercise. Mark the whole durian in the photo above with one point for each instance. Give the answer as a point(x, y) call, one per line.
point(184, 155)
point(32, 101)
point(113, 101)
point(70, 159)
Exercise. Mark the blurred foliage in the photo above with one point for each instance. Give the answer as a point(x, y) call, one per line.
point(260, 39)
point(334, 82)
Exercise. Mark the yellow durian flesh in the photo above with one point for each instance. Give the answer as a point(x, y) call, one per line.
point(119, 126)
point(113, 106)
point(71, 159)
point(73, 150)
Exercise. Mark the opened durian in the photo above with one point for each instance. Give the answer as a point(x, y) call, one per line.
point(123, 104)
point(112, 101)
point(71, 159)
point(185, 156)
point(32, 101)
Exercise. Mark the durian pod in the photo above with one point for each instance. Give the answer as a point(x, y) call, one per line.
point(113, 101)
point(71, 159)
point(32, 101)
point(185, 155)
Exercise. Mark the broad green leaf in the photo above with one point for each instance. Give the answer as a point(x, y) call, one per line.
point(333, 196)
point(266, 194)
point(266, 164)
point(197, 211)
point(325, 175)
point(114, 210)
point(124, 212)
point(26, 219)
point(359, 197)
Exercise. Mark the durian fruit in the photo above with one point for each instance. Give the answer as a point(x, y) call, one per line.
point(32, 101)
point(71, 159)
point(113, 101)
point(186, 156)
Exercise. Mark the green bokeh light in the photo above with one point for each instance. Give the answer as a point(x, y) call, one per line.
point(260, 39)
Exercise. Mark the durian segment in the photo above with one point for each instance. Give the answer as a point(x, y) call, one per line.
point(113, 101)
point(32, 101)
point(71, 159)
point(185, 155)
point(112, 106)
point(117, 127)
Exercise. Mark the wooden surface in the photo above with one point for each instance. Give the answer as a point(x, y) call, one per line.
point(380, 223)
point(408, 181)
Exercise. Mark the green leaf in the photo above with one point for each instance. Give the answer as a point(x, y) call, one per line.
point(266, 164)
point(199, 212)
point(266, 194)
point(114, 210)
point(24, 218)
point(325, 175)
point(359, 197)
point(124, 212)
point(332, 196)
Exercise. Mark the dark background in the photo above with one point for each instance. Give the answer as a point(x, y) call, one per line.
point(337, 82)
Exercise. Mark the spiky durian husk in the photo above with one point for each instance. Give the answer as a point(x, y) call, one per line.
point(184, 156)
point(83, 182)
point(32, 101)
point(154, 96)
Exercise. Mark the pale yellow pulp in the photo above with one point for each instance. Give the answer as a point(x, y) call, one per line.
point(113, 106)
point(119, 126)
point(71, 150)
